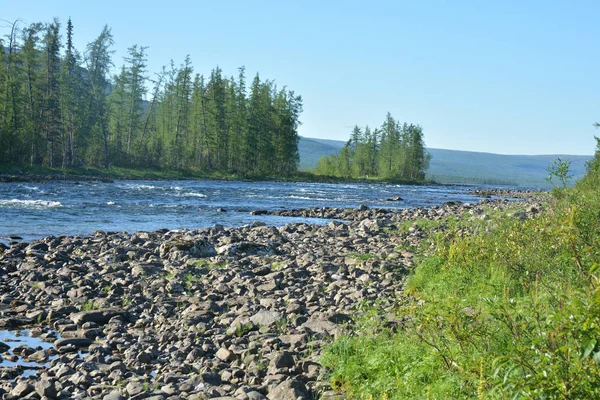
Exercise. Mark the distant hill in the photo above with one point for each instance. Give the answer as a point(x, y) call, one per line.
point(454, 166)
point(311, 150)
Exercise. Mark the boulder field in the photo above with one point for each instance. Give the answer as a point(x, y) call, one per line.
point(227, 313)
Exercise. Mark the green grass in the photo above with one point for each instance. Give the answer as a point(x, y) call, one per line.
point(502, 309)
point(362, 257)
point(89, 306)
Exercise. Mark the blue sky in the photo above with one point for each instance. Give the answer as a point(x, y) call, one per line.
point(511, 77)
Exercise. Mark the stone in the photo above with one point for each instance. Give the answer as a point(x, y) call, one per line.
point(144, 357)
point(47, 388)
point(114, 395)
point(254, 395)
point(99, 317)
point(322, 326)
point(266, 318)
point(283, 359)
point(134, 388)
point(226, 355)
point(75, 342)
point(288, 390)
point(22, 389)
point(339, 318)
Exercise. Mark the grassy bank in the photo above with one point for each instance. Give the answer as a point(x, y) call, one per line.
point(500, 308)
point(44, 173)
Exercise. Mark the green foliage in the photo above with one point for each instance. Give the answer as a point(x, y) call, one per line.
point(89, 306)
point(503, 308)
point(362, 257)
point(66, 111)
point(395, 151)
point(243, 329)
point(560, 170)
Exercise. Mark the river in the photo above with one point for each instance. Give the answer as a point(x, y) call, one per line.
point(34, 210)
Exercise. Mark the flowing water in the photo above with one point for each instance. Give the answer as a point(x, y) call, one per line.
point(34, 210)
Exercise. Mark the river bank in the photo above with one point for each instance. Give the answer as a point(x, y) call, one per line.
point(240, 313)
point(9, 173)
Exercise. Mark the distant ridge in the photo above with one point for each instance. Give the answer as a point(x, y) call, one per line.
point(456, 166)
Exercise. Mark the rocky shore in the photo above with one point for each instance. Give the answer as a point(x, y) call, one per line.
point(228, 313)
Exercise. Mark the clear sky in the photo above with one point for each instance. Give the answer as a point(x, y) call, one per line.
point(511, 77)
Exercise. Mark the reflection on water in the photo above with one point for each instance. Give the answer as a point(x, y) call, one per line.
point(19, 338)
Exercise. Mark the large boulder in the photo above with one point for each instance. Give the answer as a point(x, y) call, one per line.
point(245, 249)
point(189, 246)
point(288, 390)
point(99, 317)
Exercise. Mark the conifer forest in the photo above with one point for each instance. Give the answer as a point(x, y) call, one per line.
point(67, 107)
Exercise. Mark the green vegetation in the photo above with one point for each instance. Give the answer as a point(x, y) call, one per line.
point(559, 170)
point(454, 166)
point(61, 108)
point(362, 257)
point(502, 308)
point(89, 306)
point(394, 151)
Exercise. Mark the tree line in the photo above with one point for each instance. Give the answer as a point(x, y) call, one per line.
point(61, 107)
point(393, 151)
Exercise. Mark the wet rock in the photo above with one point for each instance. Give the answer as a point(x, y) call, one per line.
point(75, 342)
point(259, 212)
point(4, 347)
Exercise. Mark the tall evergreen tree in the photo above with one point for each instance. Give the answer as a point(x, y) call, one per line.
point(394, 151)
point(31, 63)
point(98, 62)
point(51, 120)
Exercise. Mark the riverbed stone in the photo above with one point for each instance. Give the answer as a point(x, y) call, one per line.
point(46, 388)
point(288, 390)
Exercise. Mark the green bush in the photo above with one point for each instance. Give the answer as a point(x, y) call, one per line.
point(509, 310)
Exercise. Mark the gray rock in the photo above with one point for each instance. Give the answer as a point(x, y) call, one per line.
point(288, 390)
point(322, 326)
point(134, 388)
point(22, 389)
point(266, 318)
point(76, 342)
point(254, 395)
point(114, 395)
point(99, 317)
point(46, 387)
point(339, 318)
point(144, 357)
point(283, 359)
point(226, 355)
point(370, 225)
point(244, 249)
